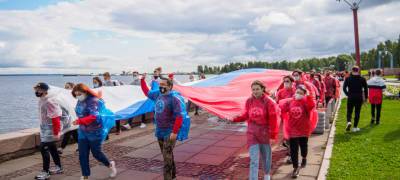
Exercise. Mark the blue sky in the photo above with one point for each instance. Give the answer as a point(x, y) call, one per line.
point(49, 36)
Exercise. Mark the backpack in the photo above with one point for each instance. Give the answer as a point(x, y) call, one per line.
point(185, 128)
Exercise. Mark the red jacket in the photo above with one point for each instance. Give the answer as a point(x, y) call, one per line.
point(285, 93)
point(262, 115)
point(376, 85)
point(299, 123)
point(330, 85)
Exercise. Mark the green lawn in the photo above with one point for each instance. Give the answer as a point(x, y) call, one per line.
point(372, 153)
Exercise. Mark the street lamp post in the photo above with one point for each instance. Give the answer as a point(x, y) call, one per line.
point(354, 7)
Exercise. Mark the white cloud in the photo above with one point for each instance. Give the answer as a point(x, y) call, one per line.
point(99, 35)
point(265, 22)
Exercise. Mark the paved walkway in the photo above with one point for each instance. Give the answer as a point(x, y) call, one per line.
point(215, 150)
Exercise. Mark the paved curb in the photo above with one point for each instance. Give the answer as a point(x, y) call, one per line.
point(323, 171)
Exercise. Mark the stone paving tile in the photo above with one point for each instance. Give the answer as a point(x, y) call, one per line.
point(236, 138)
point(153, 146)
point(203, 142)
point(17, 164)
point(208, 159)
point(178, 156)
point(214, 136)
point(144, 153)
point(29, 176)
point(226, 143)
point(214, 150)
point(190, 148)
point(139, 142)
point(132, 174)
point(310, 170)
point(178, 178)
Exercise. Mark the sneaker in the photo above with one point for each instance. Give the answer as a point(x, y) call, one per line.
point(56, 170)
point(372, 121)
point(348, 126)
point(142, 125)
point(303, 163)
point(289, 160)
point(354, 130)
point(267, 177)
point(113, 169)
point(59, 150)
point(295, 173)
point(358, 129)
point(377, 122)
point(43, 176)
point(127, 126)
point(84, 177)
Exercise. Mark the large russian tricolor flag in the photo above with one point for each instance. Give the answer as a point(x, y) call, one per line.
point(226, 94)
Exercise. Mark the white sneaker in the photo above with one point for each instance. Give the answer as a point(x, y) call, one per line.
point(142, 125)
point(354, 130)
point(43, 176)
point(83, 178)
point(348, 126)
point(113, 169)
point(358, 129)
point(127, 126)
point(267, 177)
point(56, 170)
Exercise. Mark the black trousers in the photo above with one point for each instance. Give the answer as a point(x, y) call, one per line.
point(378, 108)
point(356, 105)
point(67, 137)
point(294, 149)
point(47, 149)
point(327, 99)
point(118, 125)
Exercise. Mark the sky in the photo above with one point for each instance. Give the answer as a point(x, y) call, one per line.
point(93, 36)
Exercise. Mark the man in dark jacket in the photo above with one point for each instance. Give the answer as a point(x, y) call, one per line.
point(356, 89)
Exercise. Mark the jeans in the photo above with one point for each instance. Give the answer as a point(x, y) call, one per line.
point(266, 158)
point(356, 105)
point(85, 146)
point(378, 111)
point(47, 148)
point(167, 148)
point(294, 149)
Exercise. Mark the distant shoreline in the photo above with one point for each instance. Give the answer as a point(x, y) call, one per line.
point(76, 74)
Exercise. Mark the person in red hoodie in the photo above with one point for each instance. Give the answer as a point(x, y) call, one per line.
point(322, 89)
point(50, 127)
point(330, 85)
point(287, 92)
point(376, 85)
point(299, 124)
point(315, 81)
point(262, 115)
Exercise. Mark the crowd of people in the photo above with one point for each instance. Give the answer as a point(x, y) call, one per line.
point(293, 104)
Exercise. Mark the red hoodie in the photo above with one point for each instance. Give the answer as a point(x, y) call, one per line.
point(262, 115)
point(300, 111)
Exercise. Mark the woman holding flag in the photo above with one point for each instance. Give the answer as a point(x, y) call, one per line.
point(94, 125)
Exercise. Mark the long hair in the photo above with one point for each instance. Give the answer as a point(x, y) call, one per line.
point(85, 89)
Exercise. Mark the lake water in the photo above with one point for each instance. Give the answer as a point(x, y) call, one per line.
point(19, 105)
